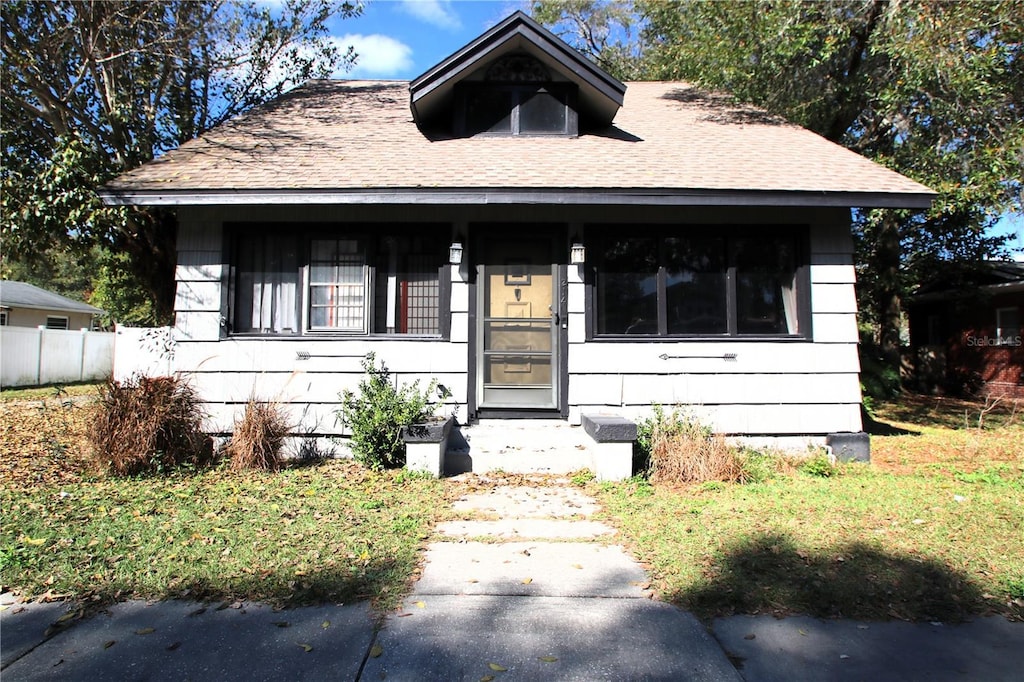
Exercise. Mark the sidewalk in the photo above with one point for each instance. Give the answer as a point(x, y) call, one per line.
point(527, 587)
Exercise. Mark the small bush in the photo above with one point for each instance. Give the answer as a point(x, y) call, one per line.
point(377, 413)
point(759, 466)
point(258, 437)
point(149, 425)
point(682, 450)
point(818, 465)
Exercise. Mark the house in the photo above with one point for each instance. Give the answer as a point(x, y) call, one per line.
point(26, 305)
point(968, 340)
point(543, 239)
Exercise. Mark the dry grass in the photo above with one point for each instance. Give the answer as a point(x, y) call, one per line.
point(148, 425)
point(258, 437)
point(684, 451)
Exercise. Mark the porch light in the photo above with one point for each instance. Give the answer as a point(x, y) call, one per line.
point(578, 254)
point(455, 253)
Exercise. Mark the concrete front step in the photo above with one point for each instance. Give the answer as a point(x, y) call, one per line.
point(526, 528)
point(519, 446)
point(542, 569)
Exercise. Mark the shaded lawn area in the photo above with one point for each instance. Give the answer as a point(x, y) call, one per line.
point(330, 532)
point(932, 529)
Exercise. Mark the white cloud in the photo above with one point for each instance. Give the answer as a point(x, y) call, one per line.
point(438, 13)
point(377, 55)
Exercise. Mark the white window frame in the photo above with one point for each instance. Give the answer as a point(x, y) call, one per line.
point(66, 320)
point(365, 285)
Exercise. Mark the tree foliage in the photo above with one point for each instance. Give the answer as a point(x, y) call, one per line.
point(92, 89)
point(933, 90)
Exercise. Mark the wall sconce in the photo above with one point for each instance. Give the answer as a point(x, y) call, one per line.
point(455, 253)
point(578, 254)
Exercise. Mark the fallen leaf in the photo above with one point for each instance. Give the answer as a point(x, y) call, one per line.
point(197, 612)
point(487, 678)
point(281, 623)
point(547, 659)
point(750, 636)
point(376, 650)
point(174, 646)
point(110, 643)
point(420, 604)
point(527, 581)
point(577, 566)
point(496, 667)
point(305, 647)
point(326, 624)
point(802, 632)
point(843, 656)
point(472, 580)
point(145, 631)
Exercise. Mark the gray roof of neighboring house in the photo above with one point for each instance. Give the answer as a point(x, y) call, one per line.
point(355, 141)
point(25, 295)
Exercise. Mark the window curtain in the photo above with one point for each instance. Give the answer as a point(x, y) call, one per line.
point(789, 303)
point(267, 286)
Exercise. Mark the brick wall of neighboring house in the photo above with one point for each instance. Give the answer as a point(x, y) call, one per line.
point(977, 360)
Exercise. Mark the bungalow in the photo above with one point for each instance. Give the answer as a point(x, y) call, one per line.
point(544, 240)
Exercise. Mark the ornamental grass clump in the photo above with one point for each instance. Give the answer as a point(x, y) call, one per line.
point(149, 425)
point(682, 450)
point(259, 437)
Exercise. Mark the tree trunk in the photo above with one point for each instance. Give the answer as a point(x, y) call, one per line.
point(887, 297)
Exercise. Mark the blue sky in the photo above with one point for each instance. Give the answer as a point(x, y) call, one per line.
point(401, 39)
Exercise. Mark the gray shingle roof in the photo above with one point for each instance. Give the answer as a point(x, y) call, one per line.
point(359, 135)
point(25, 295)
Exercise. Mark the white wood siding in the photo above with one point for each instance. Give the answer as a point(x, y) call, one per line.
point(770, 388)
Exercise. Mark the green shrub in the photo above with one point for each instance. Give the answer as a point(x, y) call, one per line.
point(758, 466)
point(149, 425)
point(818, 465)
point(376, 414)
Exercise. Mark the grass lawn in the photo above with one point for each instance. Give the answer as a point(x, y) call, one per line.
point(932, 529)
point(332, 532)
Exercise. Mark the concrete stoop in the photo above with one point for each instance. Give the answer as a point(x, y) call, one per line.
point(524, 446)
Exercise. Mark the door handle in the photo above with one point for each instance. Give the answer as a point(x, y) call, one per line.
point(555, 317)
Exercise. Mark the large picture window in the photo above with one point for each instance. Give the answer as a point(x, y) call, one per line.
point(661, 282)
point(374, 281)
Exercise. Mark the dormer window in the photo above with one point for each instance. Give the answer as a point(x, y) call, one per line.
point(518, 79)
point(516, 97)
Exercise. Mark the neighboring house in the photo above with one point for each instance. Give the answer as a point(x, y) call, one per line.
point(969, 340)
point(544, 240)
point(26, 305)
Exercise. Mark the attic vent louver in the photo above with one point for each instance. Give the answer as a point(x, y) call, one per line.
point(518, 68)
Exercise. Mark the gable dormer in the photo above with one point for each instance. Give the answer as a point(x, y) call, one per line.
point(516, 79)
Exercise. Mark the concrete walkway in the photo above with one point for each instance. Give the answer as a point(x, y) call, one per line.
point(538, 593)
point(525, 587)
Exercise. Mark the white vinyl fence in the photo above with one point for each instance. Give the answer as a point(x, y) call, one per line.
point(145, 351)
point(35, 356)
